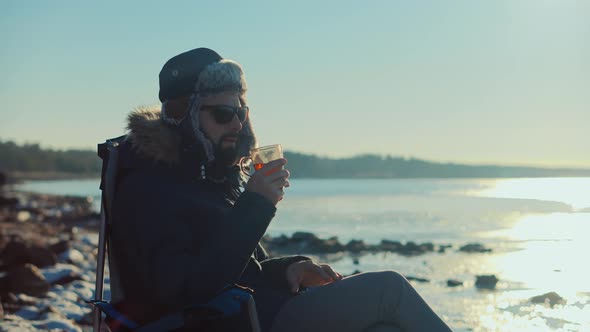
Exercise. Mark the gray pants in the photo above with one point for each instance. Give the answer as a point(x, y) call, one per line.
point(368, 302)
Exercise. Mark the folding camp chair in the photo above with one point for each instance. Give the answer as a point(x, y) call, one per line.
point(232, 306)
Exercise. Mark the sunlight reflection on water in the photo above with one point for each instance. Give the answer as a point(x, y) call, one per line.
point(550, 258)
point(552, 250)
point(573, 191)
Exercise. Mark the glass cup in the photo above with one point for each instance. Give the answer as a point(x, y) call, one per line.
point(260, 156)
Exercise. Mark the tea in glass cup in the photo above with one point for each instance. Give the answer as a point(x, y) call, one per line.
point(260, 156)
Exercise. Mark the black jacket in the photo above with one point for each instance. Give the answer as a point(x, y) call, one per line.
point(176, 240)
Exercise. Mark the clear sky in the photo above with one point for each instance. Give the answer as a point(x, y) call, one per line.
point(503, 82)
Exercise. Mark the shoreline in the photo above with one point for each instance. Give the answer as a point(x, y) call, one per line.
point(22, 177)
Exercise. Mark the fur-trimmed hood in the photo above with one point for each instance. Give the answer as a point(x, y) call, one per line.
point(154, 139)
point(150, 137)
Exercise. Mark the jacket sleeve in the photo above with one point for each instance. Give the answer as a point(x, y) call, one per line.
point(178, 266)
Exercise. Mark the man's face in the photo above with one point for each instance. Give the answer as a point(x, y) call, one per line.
point(223, 136)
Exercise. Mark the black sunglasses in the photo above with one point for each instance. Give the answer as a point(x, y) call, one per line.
point(225, 114)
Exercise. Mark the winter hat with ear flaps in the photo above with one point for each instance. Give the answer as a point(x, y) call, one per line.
point(201, 70)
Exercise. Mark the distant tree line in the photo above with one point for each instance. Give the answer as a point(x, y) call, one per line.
point(374, 166)
point(32, 158)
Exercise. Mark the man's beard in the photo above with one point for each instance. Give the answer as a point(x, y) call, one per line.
point(226, 156)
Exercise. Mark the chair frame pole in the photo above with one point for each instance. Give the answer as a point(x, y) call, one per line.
point(108, 193)
point(98, 294)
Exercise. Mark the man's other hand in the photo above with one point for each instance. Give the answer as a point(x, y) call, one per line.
point(310, 274)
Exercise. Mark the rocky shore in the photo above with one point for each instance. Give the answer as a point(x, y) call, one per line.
point(48, 248)
point(309, 243)
point(47, 261)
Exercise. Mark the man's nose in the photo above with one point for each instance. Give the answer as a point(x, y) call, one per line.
point(235, 123)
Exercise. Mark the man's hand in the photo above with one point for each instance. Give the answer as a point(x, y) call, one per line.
point(270, 180)
point(309, 274)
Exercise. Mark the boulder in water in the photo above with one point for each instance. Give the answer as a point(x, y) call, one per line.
point(422, 280)
point(550, 299)
point(454, 283)
point(474, 247)
point(413, 249)
point(356, 246)
point(388, 245)
point(486, 281)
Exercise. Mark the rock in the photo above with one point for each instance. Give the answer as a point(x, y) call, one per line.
point(330, 245)
point(10, 298)
point(454, 283)
point(486, 281)
point(87, 319)
point(85, 289)
point(8, 202)
point(24, 279)
point(412, 249)
point(355, 246)
point(23, 216)
point(73, 232)
point(550, 299)
point(17, 253)
point(12, 303)
point(412, 278)
point(72, 256)
point(10, 308)
point(428, 246)
point(387, 245)
point(60, 272)
point(308, 242)
point(42, 257)
point(474, 247)
point(16, 323)
point(281, 241)
point(67, 279)
point(443, 248)
point(29, 313)
point(49, 309)
point(60, 246)
point(24, 299)
point(50, 321)
point(304, 237)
